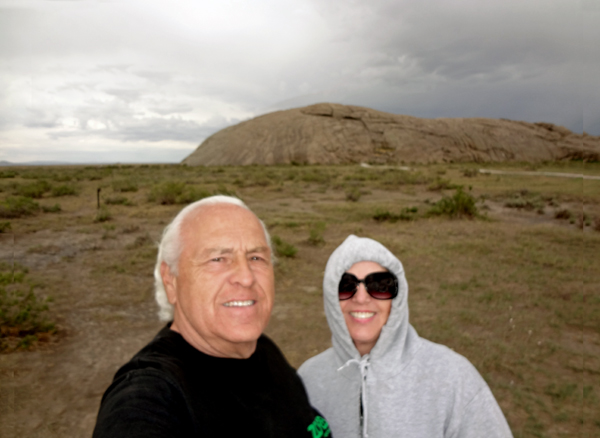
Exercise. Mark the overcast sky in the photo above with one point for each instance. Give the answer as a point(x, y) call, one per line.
point(149, 80)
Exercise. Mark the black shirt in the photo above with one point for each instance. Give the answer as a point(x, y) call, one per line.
point(170, 389)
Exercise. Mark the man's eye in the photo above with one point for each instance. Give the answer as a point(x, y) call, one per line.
point(256, 258)
point(216, 259)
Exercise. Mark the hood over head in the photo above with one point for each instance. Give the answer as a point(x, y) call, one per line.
point(394, 343)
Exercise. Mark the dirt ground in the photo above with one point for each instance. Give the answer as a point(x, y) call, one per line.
point(100, 276)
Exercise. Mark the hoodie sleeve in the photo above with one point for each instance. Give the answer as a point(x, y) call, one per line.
point(482, 417)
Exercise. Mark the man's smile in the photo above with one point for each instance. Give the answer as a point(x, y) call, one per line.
point(239, 303)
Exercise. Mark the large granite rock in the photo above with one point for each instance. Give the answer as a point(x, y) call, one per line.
point(328, 133)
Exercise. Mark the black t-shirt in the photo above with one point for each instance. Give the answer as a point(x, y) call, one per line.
point(170, 389)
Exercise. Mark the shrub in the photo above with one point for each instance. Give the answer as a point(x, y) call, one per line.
point(18, 206)
point(383, 215)
point(4, 226)
point(103, 215)
point(395, 177)
point(459, 205)
point(141, 241)
point(221, 190)
point(117, 200)
point(51, 209)
point(64, 190)
point(470, 173)
point(563, 214)
point(22, 314)
point(406, 214)
point(282, 248)
point(315, 236)
point(33, 190)
point(353, 195)
point(166, 193)
point(524, 199)
point(315, 176)
point(62, 177)
point(8, 174)
point(441, 184)
point(169, 193)
point(124, 185)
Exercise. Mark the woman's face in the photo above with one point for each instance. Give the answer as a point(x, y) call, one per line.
point(364, 315)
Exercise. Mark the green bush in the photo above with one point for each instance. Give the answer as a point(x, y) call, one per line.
point(563, 214)
point(170, 192)
point(141, 241)
point(103, 215)
point(124, 185)
point(33, 190)
point(459, 205)
point(51, 208)
point(8, 174)
point(316, 176)
point(353, 195)
point(442, 184)
point(62, 177)
point(395, 177)
point(221, 190)
point(315, 236)
point(282, 248)
point(470, 173)
point(22, 314)
point(4, 226)
point(526, 200)
point(64, 190)
point(406, 214)
point(117, 200)
point(18, 206)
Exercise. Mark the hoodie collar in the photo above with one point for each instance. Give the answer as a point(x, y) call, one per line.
point(397, 339)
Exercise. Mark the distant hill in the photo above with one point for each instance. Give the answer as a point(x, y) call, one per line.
point(328, 133)
point(35, 163)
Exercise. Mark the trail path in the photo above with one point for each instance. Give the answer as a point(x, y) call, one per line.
point(558, 174)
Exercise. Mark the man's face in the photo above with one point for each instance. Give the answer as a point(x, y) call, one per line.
point(364, 315)
point(224, 291)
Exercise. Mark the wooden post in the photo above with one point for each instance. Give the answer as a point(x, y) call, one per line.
point(98, 196)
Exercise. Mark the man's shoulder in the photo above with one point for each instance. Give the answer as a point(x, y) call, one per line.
point(163, 355)
point(268, 354)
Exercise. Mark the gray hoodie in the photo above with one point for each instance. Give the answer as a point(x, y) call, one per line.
point(407, 386)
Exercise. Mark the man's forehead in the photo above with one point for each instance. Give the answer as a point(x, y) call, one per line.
point(229, 249)
point(221, 225)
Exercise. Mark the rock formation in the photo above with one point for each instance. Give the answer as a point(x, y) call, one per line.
point(328, 133)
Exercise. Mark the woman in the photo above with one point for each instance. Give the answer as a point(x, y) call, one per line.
point(381, 379)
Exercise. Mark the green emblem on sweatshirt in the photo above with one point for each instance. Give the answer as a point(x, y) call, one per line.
point(319, 428)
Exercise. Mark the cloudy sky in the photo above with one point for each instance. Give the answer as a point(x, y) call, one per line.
point(148, 80)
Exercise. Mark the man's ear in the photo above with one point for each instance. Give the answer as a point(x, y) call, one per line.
point(169, 281)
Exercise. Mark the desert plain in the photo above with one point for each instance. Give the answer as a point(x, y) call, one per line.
point(501, 267)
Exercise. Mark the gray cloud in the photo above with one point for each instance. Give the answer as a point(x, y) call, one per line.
point(151, 71)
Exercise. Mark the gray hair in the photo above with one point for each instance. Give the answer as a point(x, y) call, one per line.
point(170, 247)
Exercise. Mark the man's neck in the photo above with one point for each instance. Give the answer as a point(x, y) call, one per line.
point(241, 350)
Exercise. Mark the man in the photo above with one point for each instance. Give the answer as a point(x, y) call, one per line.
point(210, 372)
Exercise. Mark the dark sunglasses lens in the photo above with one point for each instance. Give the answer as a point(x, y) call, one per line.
point(347, 286)
point(382, 285)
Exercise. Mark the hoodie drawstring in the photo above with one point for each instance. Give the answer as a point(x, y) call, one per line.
point(363, 364)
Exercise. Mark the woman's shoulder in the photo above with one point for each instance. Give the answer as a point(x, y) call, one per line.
point(437, 359)
point(318, 365)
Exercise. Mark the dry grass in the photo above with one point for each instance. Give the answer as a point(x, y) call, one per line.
point(515, 290)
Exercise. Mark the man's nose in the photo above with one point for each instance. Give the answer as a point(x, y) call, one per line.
point(242, 274)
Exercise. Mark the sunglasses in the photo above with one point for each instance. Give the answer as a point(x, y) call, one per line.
point(380, 285)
